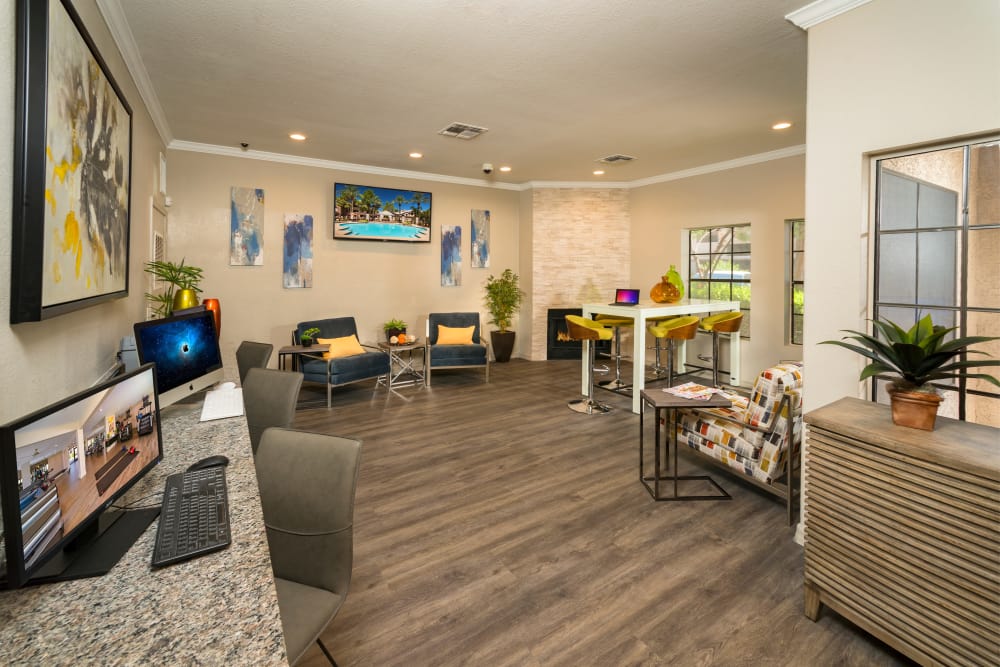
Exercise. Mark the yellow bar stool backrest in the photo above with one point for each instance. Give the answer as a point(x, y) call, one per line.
point(582, 328)
point(723, 322)
point(676, 328)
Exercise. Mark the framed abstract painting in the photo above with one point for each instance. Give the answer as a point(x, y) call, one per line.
point(451, 256)
point(72, 168)
point(480, 236)
point(297, 262)
point(246, 227)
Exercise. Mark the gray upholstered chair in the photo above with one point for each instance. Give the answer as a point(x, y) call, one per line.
point(269, 399)
point(252, 355)
point(307, 483)
point(373, 363)
point(439, 356)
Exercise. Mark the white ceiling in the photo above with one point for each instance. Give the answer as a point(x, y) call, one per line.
point(678, 84)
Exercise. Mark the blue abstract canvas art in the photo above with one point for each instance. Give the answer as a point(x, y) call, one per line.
point(480, 234)
point(451, 256)
point(297, 263)
point(246, 227)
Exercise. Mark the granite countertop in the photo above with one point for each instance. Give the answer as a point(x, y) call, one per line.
point(220, 608)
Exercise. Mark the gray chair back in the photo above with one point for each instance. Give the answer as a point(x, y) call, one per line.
point(252, 355)
point(307, 485)
point(269, 398)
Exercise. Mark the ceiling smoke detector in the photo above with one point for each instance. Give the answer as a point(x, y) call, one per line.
point(615, 159)
point(463, 131)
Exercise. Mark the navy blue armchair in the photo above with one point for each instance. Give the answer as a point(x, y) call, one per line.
point(373, 363)
point(474, 355)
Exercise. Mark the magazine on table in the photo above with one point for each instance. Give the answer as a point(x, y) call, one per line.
point(693, 390)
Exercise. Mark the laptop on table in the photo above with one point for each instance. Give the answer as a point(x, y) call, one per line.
point(625, 297)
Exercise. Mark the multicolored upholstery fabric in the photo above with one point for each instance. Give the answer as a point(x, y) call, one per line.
point(752, 436)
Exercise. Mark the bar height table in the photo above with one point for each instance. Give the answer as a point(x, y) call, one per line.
point(664, 402)
point(646, 311)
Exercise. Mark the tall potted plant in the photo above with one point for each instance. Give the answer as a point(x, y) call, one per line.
point(183, 284)
point(910, 360)
point(503, 300)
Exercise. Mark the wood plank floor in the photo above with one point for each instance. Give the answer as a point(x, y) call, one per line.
point(494, 526)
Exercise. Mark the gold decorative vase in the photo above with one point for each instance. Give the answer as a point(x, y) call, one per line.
point(670, 289)
point(185, 298)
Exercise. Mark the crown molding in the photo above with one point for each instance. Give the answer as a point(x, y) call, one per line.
point(822, 10)
point(113, 15)
point(608, 185)
point(229, 151)
point(747, 160)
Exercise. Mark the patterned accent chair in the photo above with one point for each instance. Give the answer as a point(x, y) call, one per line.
point(754, 436)
point(438, 356)
point(373, 363)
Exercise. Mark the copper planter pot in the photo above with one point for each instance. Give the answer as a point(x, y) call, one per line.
point(914, 409)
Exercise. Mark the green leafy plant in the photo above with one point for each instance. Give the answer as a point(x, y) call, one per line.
point(177, 277)
point(399, 325)
point(308, 334)
point(503, 298)
point(910, 359)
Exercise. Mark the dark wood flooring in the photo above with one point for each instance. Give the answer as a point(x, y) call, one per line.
point(494, 526)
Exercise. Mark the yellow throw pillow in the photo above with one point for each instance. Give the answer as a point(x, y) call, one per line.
point(348, 346)
point(455, 335)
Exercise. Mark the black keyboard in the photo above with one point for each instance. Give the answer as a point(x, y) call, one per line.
point(194, 516)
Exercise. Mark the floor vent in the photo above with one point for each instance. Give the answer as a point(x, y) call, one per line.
point(463, 131)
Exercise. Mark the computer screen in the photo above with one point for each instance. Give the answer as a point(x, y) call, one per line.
point(61, 468)
point(185, 349)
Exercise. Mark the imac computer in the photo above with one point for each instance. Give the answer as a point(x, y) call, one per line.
point(185, 349)
point(63, 466)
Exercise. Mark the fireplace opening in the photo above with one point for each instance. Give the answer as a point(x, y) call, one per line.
point(560, 346)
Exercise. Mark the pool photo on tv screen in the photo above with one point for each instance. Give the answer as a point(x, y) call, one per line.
point(369, 213)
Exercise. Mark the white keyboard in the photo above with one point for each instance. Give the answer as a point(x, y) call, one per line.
point(222, 403)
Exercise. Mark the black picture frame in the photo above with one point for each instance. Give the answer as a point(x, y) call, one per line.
point(72, 168)
point(381, 214)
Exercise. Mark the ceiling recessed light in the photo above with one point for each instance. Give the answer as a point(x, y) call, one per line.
point(415, 154)
point(598, 172)
point(504, 168)
point(297, 136)
point(783, 125)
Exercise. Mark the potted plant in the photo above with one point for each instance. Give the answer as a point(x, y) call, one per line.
point(910, 360)
point(183, 284)
point(503, 300)
point(393, 328)
point(307, 336)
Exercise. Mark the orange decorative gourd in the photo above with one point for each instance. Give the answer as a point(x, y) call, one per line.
point(670, 289)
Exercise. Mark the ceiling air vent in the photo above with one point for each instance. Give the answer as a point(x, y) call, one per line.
point(463, 131)
point(616, 159)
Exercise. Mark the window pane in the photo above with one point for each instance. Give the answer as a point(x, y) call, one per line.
point(898, 199)
point(797, 329)
point(799, 266)
point(741, 243)
point(699, 290)
point(937, 268)
point(741, 267)
point(984, 174)
point(897, 279)
point(904, 317)
point(720, 291)
point(799, 235)
point(798, 299)
point(722, 239)
point(741, 293)
point(984, 269)
point(700, 266)
point(701, 241)
point(985, 324)
point(936, 207)
point(942, 318)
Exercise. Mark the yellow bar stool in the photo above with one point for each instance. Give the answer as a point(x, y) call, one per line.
point(672, 329)
point(617, 322)
point(720, 323)
point(581, 328)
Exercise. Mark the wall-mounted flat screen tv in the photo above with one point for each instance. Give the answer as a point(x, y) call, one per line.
point(369, 213)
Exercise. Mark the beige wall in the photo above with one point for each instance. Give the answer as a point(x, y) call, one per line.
point(765, 195)
point(883, 76)
point(371, 281)
point(47, 360)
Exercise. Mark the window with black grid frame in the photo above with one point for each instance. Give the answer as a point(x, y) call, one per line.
point(795, 294)
point(719, 267)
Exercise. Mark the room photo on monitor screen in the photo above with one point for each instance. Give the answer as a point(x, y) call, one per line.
point(185, 349)
point(62, 466)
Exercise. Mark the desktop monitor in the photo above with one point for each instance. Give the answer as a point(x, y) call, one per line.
point(63, 466)
point(185, 349)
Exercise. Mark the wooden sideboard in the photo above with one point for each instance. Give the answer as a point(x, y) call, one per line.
point(902, 531)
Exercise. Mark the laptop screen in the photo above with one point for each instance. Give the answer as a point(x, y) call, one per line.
point(629, 296)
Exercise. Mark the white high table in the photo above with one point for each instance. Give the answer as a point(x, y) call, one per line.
point(641, 314)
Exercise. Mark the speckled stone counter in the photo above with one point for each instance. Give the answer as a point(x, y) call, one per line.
point(213, 610)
